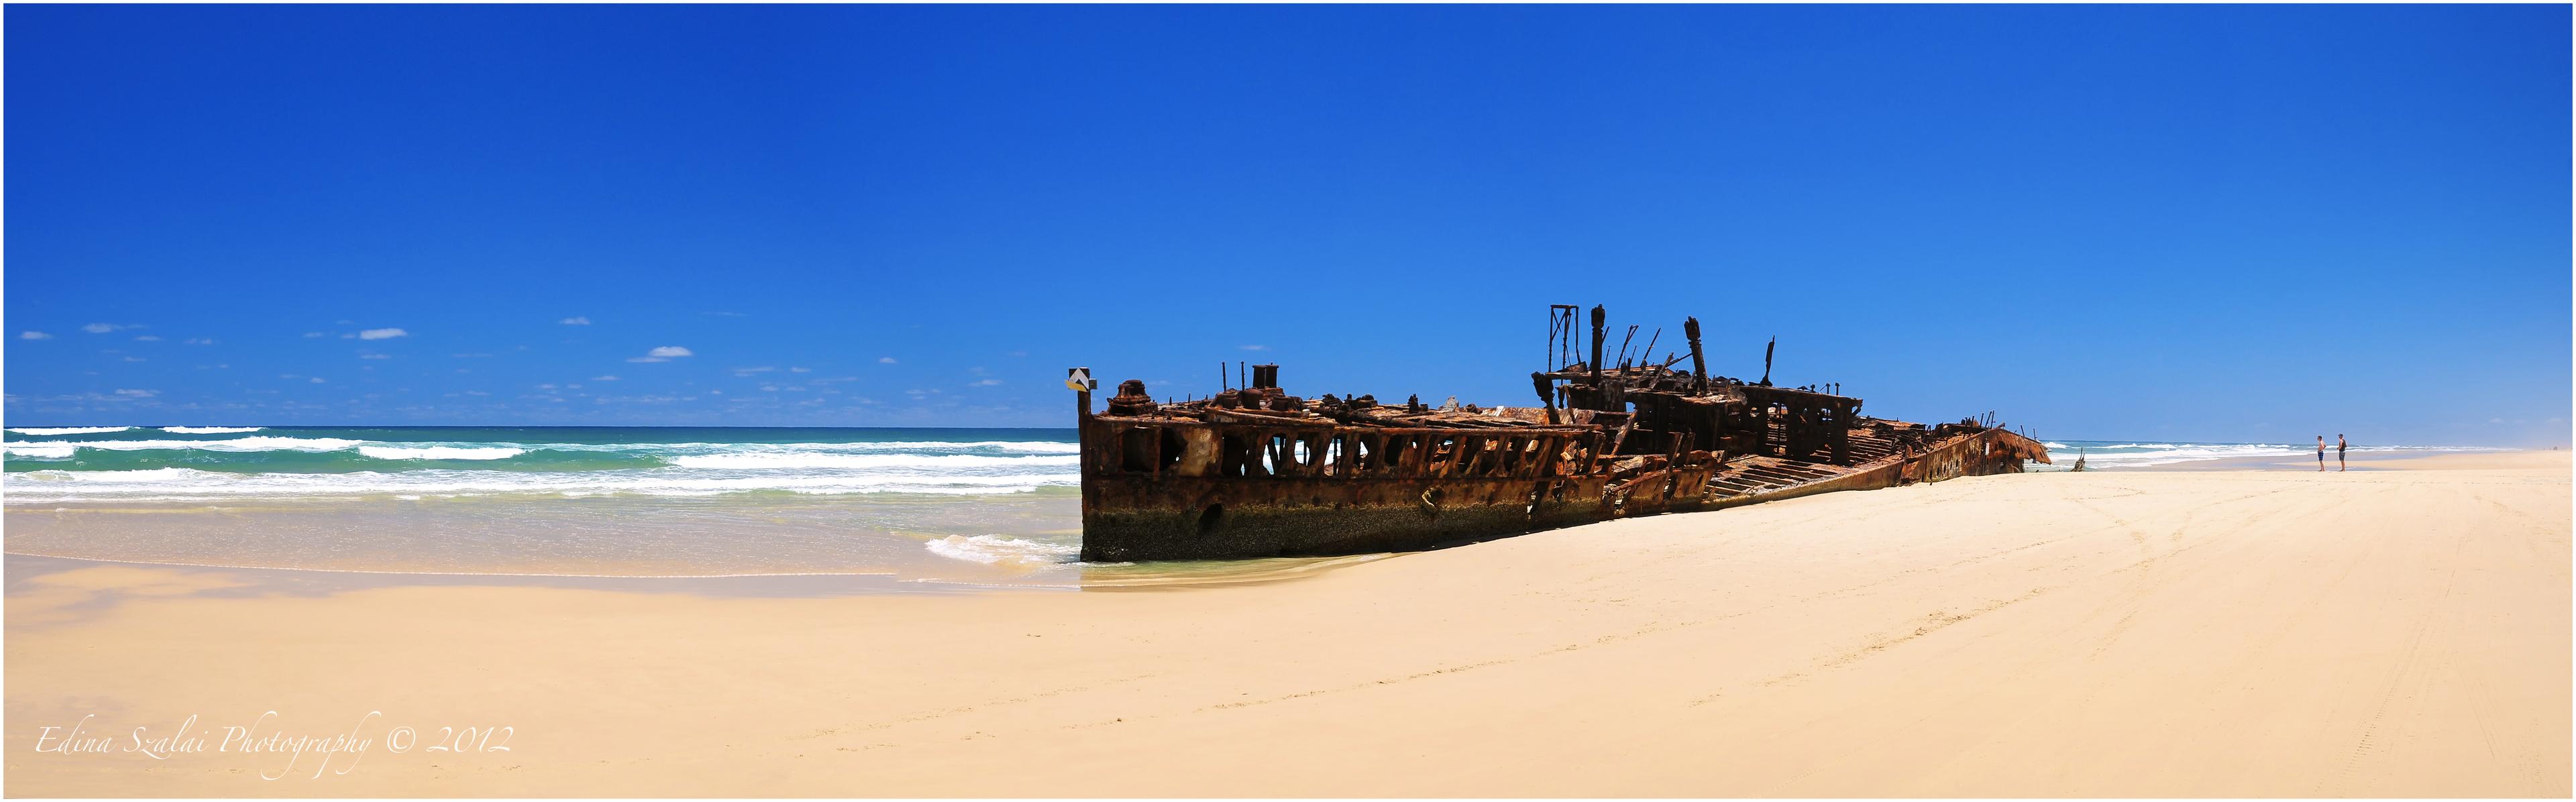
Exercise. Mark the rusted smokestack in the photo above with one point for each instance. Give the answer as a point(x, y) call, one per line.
point(1699, 364)
point(1766, 360)
point(1600, 326)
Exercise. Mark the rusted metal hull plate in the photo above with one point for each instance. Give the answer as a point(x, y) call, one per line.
point(1220, 519)
point(1181, 518)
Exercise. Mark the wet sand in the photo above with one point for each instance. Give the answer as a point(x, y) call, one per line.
point(2183, 633)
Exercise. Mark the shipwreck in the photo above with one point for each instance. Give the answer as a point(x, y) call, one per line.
point(1255, 471)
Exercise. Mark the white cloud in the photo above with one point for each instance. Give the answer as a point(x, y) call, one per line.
point(576, 321)
point(1256, 348)
point(988, 382)
point(133, 359)
point(375, 356)
point(147, 339)
point(382, 334)
point(311, 334)
point(749, 371)
point(138, 393)
point(200, 341)
point(800, 370)
point(34, 335)
point(104, 328)
point(603, 378)
point(662, 354)
point(885, 360)
point(318, 380)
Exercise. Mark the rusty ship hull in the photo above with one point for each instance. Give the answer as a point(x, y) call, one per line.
point(1256, 472)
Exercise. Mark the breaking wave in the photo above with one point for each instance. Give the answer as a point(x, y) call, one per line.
point(124, 463)
point(238, 444)
point(40, 450)
point(440, 452)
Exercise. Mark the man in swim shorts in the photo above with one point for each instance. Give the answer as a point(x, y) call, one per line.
point(2321, 453)
point(2339, 447)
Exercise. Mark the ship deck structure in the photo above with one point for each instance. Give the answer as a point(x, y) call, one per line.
point(1258, 472)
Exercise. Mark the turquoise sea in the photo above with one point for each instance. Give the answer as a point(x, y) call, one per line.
point(206, 463)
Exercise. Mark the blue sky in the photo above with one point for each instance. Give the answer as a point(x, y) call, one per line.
point(2211, 223)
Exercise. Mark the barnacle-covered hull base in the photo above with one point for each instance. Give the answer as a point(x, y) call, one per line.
point(1256, 472)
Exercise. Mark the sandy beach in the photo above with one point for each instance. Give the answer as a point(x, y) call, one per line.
point(2397, 631)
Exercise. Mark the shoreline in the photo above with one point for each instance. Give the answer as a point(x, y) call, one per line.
point(2138, 633)
point(2377, 461)
point(1085, 578)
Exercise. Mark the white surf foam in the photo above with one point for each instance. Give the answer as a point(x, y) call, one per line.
point(999, 550)
point(149, 476)
point(71, 430)
point(209, 429)
point(1025, 446)
point(898, 446)
point(797, 460)
point(235, 444)
point(173, 484)
point(439, 452)
point(40, 450)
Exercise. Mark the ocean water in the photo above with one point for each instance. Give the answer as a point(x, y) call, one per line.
point(181, 463)
point(2119, 454)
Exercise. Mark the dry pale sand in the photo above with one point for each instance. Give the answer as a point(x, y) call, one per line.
point(2391, 632)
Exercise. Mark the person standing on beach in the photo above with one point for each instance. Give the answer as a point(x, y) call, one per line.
point(2339, 447)
point(2321, 453)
